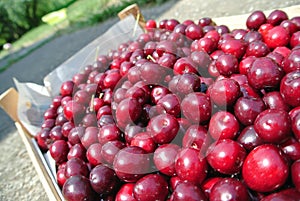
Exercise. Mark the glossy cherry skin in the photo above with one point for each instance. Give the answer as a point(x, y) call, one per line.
point(164, 158)
point(276, 17)
point(295, 39)
point(67, 88)
point(274, 100)
point(163, 128)
point(225, 92)
point(255, 20)
point(246, 109)
point(131, 163)
point(296, 126)
point(171, 104)
point(249, 138)
point(291, 148)
point(227, 64)
point(226, 156)
point(196, 107)
point(257, 49)
point(265, 168)
point(187, 191)
point(264, 73)
point(126, 193)
point(290, 88)
point(276, 37)
point(78, 188)
point(145, 141)
point(245, 64)
point(235, 47)
point(194, 32)
point(90, 137)
point(103, 179)
point(76, 166)
point(273, 125)
point(223, 125)
point(229, 189)
point(93, 154)
point(295, 172)
point(196, 137)
point(190, 165)
point(59, 151)
point(128, 111)
point(151, 187)
point(77, 151)
point(290, 194)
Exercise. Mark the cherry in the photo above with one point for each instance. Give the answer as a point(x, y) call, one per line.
point(90, 137)
point(249, 138)
point(76, 166)
point(66, 128)
point(93, 154)
point(67, 88)
point(185, 65)
point(292, 149)
point(78, 188)
point(126, 193)
point(187, 191)
point(245, 64)
point(171, 104)
point(296, 126)
point(273, 125)
point(190, 165)
point(252, 36)
point(246, 109)
point(225, 92)
point(276, 37)
point(108, 132)
point(290, 194)
point(171, 24)
point(60, 177)
point(74, 111)
point(76, 134)
point(194, 32)
point(255, 20)
point(227, 64)
point(188, 83)
point(290, 88)
point(291, 62)
point(229, 189)
point(128, 111)
point(163, 128)
point(226, 156)
point(264, 73)
point(131, 163)
point(276, 17)
point(257, 49)
point(274, 100)
point(295, 39)
point(265, 168)
point(59, 151)
point(164, 158)
point(77, 151)
point(103, 179)
point(295, 172)
point(235, 47)
point(196, 107)
point(145, 141)
point(151, 187)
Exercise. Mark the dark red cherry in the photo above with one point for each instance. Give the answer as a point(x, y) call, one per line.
point(249, 138)
point(255, 20)
point(163, 128)
point(290, 88)
point(76, 166)
point(227, 64)
point(273, 125)
point(246, 109)
point(276, 17)
point(78, 188)
point(265, 168)
point(164, 158)
point(187, 191)
point(126, 193)
point(93, 154)
point(295, 172)
point(196, 107)
point(144, 141)
point(226, 156)
point(196, 137)
point(131, 163)
point(59, 151)
point(151, 187)
point(225, 92)
point(103, 179)
point(264, 73)
point(190, 165)
point(229, 189)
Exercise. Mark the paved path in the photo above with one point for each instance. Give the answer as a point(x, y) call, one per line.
point(18, 179)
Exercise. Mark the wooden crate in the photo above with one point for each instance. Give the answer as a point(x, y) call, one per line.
point(9, 100)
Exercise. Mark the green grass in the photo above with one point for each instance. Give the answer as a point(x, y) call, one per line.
point(80, 14)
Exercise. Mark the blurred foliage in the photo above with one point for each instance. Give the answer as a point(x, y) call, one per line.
point(19, 16)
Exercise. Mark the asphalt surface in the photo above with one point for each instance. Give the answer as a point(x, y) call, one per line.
point(18, 179)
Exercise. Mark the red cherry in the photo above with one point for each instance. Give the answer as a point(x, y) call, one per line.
point(265, 168)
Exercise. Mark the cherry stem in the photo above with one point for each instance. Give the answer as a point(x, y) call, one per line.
point(151, 58)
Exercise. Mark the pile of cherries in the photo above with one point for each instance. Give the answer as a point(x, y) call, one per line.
point(187, 111)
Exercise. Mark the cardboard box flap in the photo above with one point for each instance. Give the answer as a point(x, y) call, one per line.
point(9, 103)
